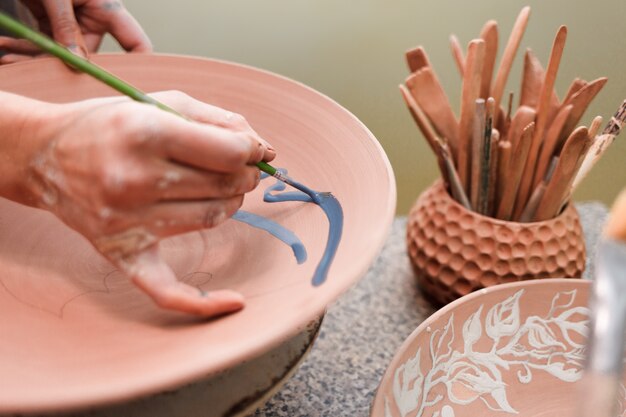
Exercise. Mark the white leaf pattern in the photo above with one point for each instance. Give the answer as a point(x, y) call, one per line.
point(553, 344)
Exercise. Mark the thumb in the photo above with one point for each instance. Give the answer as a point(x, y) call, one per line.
point(64, 27)
point(152, 275)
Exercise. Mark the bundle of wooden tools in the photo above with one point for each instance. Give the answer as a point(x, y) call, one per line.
point(519, 166)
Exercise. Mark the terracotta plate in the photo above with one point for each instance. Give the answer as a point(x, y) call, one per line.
point(510, 349)
point(74, 332)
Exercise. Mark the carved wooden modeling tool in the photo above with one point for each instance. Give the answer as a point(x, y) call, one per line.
point(427, 130)
point(416, 59)
point(570, 160)
point(550, 144)
point(510, 50)
point(470, 92)
point(542, 114)
point(581, 100)
point(489, 34)
point(477, 151)
point(428, 93)
point(457, 54)
point(507, 200)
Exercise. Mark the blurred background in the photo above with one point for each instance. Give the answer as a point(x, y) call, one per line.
point(353, 51)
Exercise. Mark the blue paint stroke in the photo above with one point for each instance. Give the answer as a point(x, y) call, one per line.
point(331, 207)
point(276, 230)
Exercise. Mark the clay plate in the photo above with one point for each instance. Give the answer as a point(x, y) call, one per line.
point(509, 349)
point(75, 333)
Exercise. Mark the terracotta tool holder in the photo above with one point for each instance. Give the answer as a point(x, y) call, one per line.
point(455, 251)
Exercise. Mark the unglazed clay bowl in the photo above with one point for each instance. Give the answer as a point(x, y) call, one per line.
point(455, 251)
point(236, 392)
point(75, 333)
point(512, 349)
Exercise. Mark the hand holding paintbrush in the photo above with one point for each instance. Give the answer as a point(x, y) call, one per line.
point(501, 179)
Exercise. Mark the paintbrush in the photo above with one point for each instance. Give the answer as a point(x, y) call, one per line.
point(48, 45)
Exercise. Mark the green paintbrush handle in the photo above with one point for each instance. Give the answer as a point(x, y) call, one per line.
point(48, 45)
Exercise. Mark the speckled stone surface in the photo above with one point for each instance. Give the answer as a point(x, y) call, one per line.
point(362, 331)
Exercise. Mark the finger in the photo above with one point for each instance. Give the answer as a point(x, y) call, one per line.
point(18, 46)
point(130, 230)
point(176, 182)
point(64, 26)
point(171, 218)
point(92, 41)
point(154, 277)
point(13, 58)
point(127, 31)
point(207, 113)
point(167, 181)
point(205, 146)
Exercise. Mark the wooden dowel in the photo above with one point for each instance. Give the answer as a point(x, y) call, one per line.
point(416, 59)
point(507, 201)
point(509, 55)
point(469, 94)
point(489, 34)
point(493, 173)
point(542, 114)
point(559, 185)
point(457, 54)
point(550, 143)
point(504, 169)
point(485, 160)
point(430, 96)
point(477, 149)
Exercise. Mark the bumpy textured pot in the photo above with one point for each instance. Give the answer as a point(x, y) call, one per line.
point(455, 251)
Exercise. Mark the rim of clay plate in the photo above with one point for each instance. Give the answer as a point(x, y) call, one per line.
point(453, 306)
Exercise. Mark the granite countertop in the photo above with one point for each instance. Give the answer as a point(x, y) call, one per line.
point(362, 331)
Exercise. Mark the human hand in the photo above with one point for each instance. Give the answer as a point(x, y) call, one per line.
point(126, 174)
point(80, 25)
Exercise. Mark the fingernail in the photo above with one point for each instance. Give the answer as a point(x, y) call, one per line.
point(77, 50)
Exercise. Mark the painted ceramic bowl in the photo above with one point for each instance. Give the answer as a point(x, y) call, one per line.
point(455, 251)
point(511, 349)
point(75, 333)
